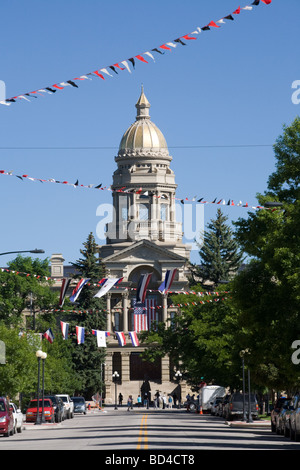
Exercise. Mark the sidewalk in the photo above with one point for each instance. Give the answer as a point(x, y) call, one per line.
point(260, 423)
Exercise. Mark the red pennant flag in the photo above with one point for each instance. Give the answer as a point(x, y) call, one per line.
point(237, 11)
point(267, 2)
point(141, 58)
point(187, 37)
point(99, 74)
point(212, 23)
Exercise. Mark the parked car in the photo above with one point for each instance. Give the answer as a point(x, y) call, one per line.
point(58, 407)
point(221, 406)
point(214, 405)
point(79, 405)
point(6, 418)
point(295, 419)
point(68, 404)
point(282, 418)
point(276, 409)
point(234, 406)
point(18, 418)
point(49, 413)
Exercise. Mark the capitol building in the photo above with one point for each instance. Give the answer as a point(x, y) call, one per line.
point(143, 237)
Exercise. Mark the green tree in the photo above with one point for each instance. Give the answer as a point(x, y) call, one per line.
point(87, 357)
point(267, 292)
point(25, 284)
point(199, 340)
point(220, 255)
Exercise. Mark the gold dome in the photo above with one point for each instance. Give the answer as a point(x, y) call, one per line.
point(143, 133)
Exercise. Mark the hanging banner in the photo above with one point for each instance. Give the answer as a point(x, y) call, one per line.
point(80, 334)
point(103, 72)
point(76, 292)
point(169, 278)
point(121, 338)
point(142, 287)
point(134, 338)
point(107, 285)
point(49, 335)
point(101, 338)
point(64, 287)
point(64, 329)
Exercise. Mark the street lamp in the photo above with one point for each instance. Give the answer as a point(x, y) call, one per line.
point(178, 377)
point(115, 377)
point(40, 355)
point(35, 251)
point(242, 354)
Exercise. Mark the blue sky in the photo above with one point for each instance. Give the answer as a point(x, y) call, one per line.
point(220, 101)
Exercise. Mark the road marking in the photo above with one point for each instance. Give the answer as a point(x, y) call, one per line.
point(143, 434)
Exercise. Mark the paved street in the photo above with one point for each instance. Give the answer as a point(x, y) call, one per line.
point(168, 430)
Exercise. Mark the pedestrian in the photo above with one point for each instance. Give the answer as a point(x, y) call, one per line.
point(130, 403)
point(120, 399)
point(164, 401)
point(139, 401)
point(170, 401)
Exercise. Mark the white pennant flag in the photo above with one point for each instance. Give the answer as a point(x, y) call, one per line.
point(107, 285)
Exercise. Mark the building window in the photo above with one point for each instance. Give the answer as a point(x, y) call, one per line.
point(144, 211)
point(164, 212)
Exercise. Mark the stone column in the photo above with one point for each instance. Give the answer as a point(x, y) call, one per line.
point(125, 311)
point(165, 369)
point(125, 367)
point(108, 313)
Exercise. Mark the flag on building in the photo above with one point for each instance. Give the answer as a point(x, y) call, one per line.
point(63, 291)
point(142, 287)
point(64, 329)
point(49, 335)
point(145, 315)
point(121, 338)
point(80, 334)
point(169, 278)
point(78, 289)
point(140, 320)
point(134, 338)
point(107, 284)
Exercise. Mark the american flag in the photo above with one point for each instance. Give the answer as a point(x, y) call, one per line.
point(144, 314)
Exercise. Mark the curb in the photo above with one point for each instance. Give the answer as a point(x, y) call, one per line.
point(243, 424)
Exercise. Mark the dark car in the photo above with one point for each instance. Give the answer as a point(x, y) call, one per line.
point(58, 407)
point(294, 420)
point(276, 409)
point(234, 407)
point(6, 418)
point(79, 405)
point(283, 418)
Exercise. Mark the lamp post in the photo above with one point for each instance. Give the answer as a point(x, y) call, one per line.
point(115, 377)
point(35, 251)
point(101, 391)
point(40, 355)
point(178, 376)
point(242, 353)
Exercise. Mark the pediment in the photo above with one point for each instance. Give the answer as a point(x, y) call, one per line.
point(142, 251)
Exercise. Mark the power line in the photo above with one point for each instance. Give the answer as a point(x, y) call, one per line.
point(114, 148)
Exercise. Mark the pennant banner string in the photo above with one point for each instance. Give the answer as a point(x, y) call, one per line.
point(106, 71)
point(138, 191)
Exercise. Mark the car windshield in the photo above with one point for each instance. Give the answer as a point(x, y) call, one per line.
point(33, 404)
point(239, 397)
point(2, 406)
point(65, 399)
point(78, 400)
